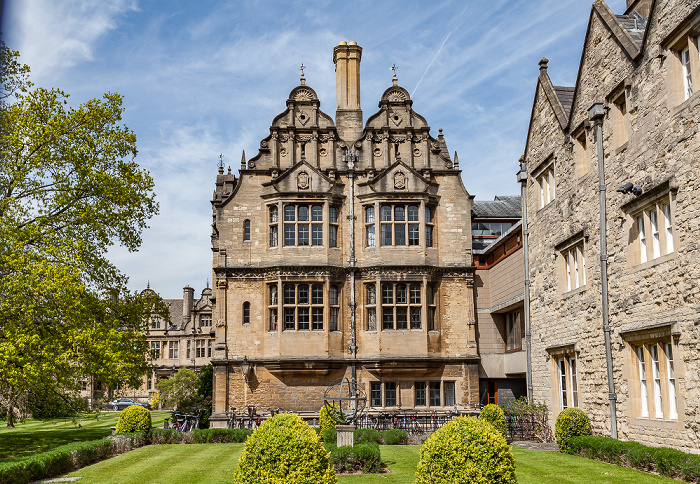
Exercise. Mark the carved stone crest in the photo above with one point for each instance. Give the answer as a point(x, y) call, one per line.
point(399, 180)
point(396, 95)
point(303, 180)
point(303, 95)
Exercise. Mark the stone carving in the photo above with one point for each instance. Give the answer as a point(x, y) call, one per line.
point(284, 138)
point(251, 164)
point(263, 144)
point(275, 136)
point(398, 138)
point(396, 95)
point(323, 152)
point(303, 180)
point(304, 95)
point(379, 137)
point(416, 152)
point(395, 118)
point(303, 118)
point(377, 151)
point(303, 138)
point(399, 180)
point(283, 152)
point(435, 146)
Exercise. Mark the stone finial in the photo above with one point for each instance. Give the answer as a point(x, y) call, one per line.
point(456, 162)
point(229, 170)
point(242, 161)
point(302, 79)
point(221, 164)
point(440, 133)
point(543, 65)
point(395, 80)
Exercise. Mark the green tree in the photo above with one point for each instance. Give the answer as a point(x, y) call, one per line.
point(180, 390)
point(69, 189)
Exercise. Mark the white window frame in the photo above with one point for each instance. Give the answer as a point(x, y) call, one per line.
point(642, 376)
point(671, 381)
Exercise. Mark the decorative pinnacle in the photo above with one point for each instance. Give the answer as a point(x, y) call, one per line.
point(243, 160)
point(456, 162)
point(221, 163)
point(394, 81)
point(543, 65)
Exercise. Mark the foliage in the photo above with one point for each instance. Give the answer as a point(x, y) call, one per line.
point(394, 437)
point(493, 414)
point(284, 449)
point(329, 436)
point(530, 416)
point(69, 189)
point(221, 436)
point(205, 393)
point(64, 459)
point(48, 401)
point(325, 421)
point(571, 422)
point(134, 418)
point(363, 457)
point(366, 435)
point(668, 462)
point(155, 399)
point(180, 390)
point(466, 450)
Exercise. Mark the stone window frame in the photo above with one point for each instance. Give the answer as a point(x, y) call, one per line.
point(564, 384)
point(322, 227)
point(200, 348)
point(571, 266)
point(545, 179)
point(245, 311)
point(580, 149)
point(376, 394)
point(423, 226)
point(619, 117)
point(654, 395)
point(402, 305)
point(173, 350)
point(682, 56)
point(208, 348)
point(651, 224)
point(273, 225)
point(437, 393)
point(155, 321)
point(373, 306)
point(155, 349)
point(205, 320)
point(246, 230)
point(320, 306)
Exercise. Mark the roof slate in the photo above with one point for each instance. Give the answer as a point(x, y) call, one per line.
point(566, 97)
point(502, 206)
point(633, 27)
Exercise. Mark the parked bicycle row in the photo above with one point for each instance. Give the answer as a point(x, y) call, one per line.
point(410, 421)
point(184, 422)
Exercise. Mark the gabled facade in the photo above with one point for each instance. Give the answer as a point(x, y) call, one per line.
point(337, 233)
point(645, 69)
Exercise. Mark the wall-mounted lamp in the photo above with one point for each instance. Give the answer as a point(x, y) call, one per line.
point(630, 188)
point(245, 367)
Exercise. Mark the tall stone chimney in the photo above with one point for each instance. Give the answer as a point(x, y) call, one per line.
point(187, 303)
point(348, 114)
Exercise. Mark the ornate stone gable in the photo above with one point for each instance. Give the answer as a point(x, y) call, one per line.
point(400, 178)
point(302, 178)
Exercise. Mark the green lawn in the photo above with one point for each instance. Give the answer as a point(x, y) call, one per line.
point(214, 463)
point(33, 436)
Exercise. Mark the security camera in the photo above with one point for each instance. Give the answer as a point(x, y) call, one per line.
point(626, 188)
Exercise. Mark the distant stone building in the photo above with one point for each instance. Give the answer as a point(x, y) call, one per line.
point(335, 231)
point(645, 68)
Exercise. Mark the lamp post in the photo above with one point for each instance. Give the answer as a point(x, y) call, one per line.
point(522, 178)
point(245, 368)
point(596, 114)
point(351, 158)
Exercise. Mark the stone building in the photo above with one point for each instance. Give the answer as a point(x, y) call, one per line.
point(337, 233)
point(498, 286)
point(643, 67)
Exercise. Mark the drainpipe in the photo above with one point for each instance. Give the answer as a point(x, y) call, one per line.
point(595, 114)
point(350, 158)
point(522, 178)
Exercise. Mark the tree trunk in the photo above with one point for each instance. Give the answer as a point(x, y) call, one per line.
point(10, 412)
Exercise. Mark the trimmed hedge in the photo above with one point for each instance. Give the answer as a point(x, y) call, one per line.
point(134, 418)
point(394, 437)
point(66, 458)
point(571, 422)
point(329, 436)
point(465, 450)
point(284, 449)
point(363, 457)
point(494, 415)
point(366, 435)
point(667, 462)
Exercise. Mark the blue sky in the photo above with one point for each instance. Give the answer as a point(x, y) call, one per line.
point(207, 77)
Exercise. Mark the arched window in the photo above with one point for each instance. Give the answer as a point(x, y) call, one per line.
point(246, 231)
point(246, 313)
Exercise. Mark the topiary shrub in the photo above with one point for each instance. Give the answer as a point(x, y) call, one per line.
point(494, 415)
point(465, 450)
point(363, 457)
point(571, 422)
point(284, 450)
point(325, 421)
point(133, 418)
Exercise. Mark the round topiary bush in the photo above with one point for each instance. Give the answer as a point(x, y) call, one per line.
point(465, 450)
point(571, 422)
point(494, 415)
point(133, 418)
point(325, 421)
point(284, 450)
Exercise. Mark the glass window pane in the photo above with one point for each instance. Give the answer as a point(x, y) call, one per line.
point(273, 236)
point(289, 235)
point(387, 318)
point(303, 213)
point(333, 295)
point(399, 234)
point(317, 213)
point(317, 294)
point(333, 236)
point(371, 319)
point(371, 294)
point(401, 294)
point(333, 215)
point(401, 318)
point(303, 234)
point(415, 293)
point(246, 230)
point(273, 319)
point(289, 293)
point(386, 213)
point(386, 234)
point(273, 213)
point(317, 319)
point(289, 213)
point(434, 393)
point(289, 322)
point(387, 294)
point(449, 390)
point(415, 318)
point(429, 236)
point(413, 234)
point(390, 394)
point(317, 234)
point(428, 215)
point(334, 319)
point(369, 215)
point(399, 213)
point(413, 213)
point(420, 394)
point(303, 294)
point(370, 236)
point(303, 318)
point(376, 394)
